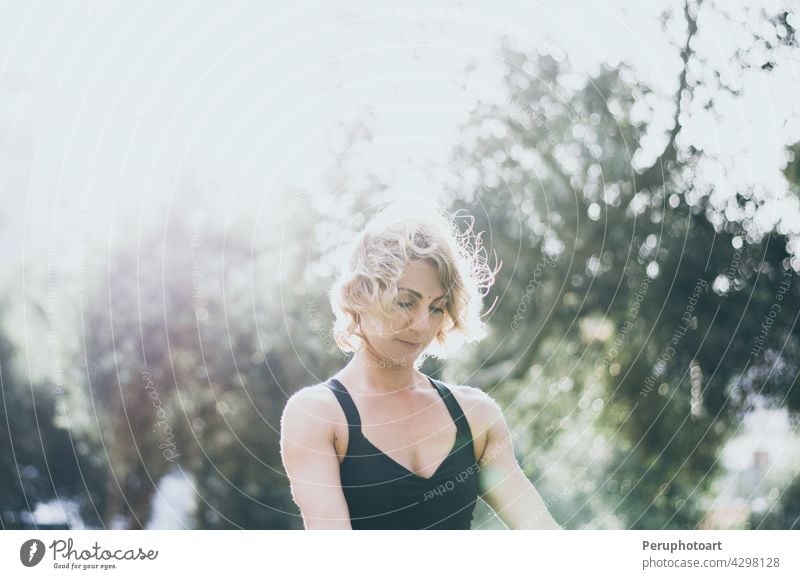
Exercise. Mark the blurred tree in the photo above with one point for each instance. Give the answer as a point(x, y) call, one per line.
point(39, 459)
point(631, 300)
point(784, 513)
point(186, 366)
point(179, 380)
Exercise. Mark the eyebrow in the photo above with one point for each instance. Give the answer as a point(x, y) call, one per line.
point(419, 295)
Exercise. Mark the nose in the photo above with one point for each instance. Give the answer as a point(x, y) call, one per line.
point(421, 320)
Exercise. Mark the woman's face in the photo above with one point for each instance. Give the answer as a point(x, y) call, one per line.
point(399, 339)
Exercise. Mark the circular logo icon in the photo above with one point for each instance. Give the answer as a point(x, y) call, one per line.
point(31, 552)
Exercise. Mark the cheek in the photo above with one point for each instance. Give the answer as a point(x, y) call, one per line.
point(387, 328)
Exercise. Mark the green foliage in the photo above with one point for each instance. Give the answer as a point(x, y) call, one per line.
point(607, 284)
point(39, 458)
point(783, 514)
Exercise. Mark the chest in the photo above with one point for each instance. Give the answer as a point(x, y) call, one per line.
point(416, 433)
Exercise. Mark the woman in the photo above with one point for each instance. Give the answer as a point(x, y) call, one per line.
point(381, 445)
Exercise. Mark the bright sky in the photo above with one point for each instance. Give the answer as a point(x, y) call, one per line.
point(115, 113)
point(110, 108)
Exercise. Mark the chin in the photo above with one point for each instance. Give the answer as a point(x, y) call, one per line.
point(388, 358)
point(388, 362)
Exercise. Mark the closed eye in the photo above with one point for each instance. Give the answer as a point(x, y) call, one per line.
point(406, 305)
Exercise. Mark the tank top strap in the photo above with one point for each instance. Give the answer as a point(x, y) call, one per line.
point(453, 407)
point(349, 408)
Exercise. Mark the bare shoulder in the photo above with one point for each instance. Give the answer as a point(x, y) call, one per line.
point(311, 405)
point(477, 403)
point(309, 456)
point(482, 413)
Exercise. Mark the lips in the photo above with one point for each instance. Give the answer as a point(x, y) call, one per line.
point(409, 344)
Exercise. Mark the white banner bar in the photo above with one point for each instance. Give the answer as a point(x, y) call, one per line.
point(389, 554)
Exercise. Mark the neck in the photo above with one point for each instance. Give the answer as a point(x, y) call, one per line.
point(368, 371)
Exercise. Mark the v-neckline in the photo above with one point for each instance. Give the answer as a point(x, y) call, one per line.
point(408, 470)
point(392, 460)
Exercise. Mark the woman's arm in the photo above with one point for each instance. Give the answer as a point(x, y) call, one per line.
point(309, 457)
point(504, 486)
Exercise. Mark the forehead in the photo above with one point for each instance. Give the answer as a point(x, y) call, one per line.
point(423, 278)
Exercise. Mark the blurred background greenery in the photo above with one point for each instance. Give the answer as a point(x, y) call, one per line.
point(635, 339)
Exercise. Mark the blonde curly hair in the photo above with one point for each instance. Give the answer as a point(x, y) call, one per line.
point(375, 259)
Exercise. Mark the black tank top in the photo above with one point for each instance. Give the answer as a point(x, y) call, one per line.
point(383, 494)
